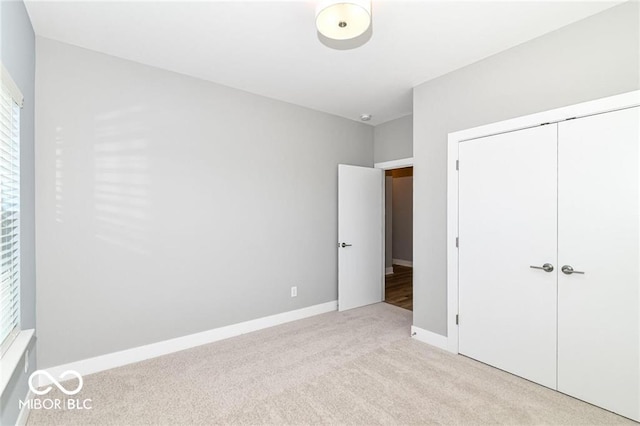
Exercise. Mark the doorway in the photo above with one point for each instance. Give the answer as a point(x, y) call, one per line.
point(399, 237)
point(362, 233)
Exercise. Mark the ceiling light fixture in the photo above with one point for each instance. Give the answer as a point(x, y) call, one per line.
point(343, 19)
point(365, 117)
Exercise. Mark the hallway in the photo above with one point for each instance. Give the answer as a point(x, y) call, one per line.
point(399, 287)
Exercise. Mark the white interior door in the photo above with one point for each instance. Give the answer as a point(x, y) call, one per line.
point(598, 221)
point(507, 223)
point(360, 227)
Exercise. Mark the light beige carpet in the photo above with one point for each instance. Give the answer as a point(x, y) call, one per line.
point(358, 367)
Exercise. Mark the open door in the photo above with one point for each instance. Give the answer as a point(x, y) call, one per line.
point(360, 231)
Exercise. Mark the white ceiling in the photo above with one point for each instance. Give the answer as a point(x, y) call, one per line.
point(272, 48)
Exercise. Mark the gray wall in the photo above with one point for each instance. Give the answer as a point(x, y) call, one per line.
point(17, 47)
point(593, 58)
point(393, 140)
point(403, 218)
point(169, 205)
point(17, 389)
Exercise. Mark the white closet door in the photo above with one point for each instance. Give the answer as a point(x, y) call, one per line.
point(507, 222)
point(598, 221)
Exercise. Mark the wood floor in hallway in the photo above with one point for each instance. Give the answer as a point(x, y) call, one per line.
point(399, 287)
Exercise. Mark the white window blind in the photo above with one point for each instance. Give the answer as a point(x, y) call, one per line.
point(10, 102)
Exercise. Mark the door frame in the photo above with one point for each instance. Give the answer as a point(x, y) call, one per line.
point(598, 106)
point(389, 165)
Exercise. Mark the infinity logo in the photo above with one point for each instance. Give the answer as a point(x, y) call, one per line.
point(46, 390)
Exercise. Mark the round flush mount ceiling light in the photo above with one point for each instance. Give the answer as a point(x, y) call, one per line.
point(343, 20)
point(365, 117)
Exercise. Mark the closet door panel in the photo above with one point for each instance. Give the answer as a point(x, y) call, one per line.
point(598, 234)
point(507, 222)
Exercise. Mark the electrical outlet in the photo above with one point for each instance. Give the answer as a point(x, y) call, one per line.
point(294, 291)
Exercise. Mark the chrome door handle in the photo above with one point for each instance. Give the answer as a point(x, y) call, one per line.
point(568, 270)
point(547, 267)
point(343, 245)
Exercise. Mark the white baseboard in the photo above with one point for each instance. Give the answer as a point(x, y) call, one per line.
point(402, 262)
point(24, 412)
point(141, 353)
point(430, 338)
point(388, 270)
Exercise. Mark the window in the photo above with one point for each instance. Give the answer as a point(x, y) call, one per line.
point(10, 103)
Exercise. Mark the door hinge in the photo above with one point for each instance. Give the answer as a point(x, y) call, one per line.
point(457, 164)
point(457, 319)
point(457, 242)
